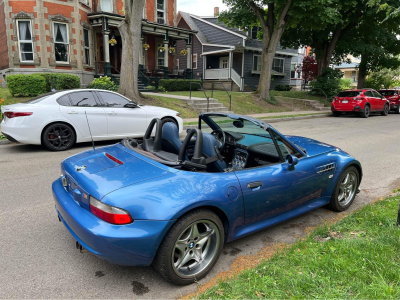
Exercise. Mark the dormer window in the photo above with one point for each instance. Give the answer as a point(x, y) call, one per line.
point(253, 32)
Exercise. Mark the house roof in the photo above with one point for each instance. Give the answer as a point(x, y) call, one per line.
point(347, 66)
point(200, 35)
point(214, 20)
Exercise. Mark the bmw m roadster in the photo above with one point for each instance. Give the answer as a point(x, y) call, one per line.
point(173, 204)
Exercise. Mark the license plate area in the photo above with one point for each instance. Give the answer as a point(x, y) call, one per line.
point(345, 101)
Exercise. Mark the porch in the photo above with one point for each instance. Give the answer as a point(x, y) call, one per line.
point(225, 65)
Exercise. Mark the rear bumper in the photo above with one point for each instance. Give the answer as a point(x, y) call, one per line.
point(10, 138)
point(394, 106)
point(20, 130)
point(347, 108)
point(133, 244)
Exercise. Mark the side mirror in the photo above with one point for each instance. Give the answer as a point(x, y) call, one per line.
point(291, 160)
point(238, 124)
point(131, 105)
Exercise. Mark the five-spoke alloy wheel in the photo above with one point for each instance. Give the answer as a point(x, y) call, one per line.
point(191, 248)
point(58, 137)
point(345, 190)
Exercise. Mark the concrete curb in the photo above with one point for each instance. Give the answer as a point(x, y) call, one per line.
point(275, 120)
point(5, 142)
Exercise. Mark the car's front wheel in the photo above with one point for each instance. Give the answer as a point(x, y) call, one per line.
point(385, 111)
point(345, 190)
point(191, 248)
point(58, 137)
point(365, 113)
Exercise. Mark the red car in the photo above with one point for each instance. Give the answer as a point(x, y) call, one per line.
point(394, 98)
point(362, 102)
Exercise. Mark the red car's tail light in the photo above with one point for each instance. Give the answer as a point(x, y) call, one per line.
point(114, 159)
point(334, 99)
point(10, 114)
point(108, 213)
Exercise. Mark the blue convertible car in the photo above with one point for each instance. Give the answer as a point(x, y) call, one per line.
point(174, 204)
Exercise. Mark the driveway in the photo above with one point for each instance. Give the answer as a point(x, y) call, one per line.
point(38, 256)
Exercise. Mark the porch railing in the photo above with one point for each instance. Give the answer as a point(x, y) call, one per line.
point(237, 79)
point(216, 74)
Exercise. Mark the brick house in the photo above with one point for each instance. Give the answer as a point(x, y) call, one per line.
point(72, 36)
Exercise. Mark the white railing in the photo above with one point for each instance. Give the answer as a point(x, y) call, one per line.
point(237, 79)
point(216, 74)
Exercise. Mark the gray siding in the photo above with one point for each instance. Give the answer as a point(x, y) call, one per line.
point(258, 44)
point(237, 63)
point(196, 49)
point(218, 36)
point(212, 48)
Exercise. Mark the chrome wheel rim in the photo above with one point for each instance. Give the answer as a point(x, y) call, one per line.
point(347, 188)
point(59, 137)
point(367, 111)
point(195, 248)
point(386, 109)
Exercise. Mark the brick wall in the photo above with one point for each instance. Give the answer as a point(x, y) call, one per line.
point(4, 60)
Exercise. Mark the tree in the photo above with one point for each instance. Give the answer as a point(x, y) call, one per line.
point(130, 30)
point(309, 68)
point(384, 78)
point(273, 22)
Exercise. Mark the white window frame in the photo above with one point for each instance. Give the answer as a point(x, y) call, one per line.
point(87, 57)
point(283, 65)
point(252, 66)
point(160, 10)
point(354, 79)
point(222, 62)
point(257, 29)
point(25, 41)
point(86, 2)
point(296, 74)
point(194, 62)
point(112, 6)
point(159, 44)
point(54, 40)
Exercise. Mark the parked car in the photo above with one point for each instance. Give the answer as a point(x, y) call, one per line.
point(174, 204)
point(394, 98)
point(59, 120)
point(362, 102)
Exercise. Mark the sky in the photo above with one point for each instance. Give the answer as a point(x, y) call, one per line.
point(200, 7)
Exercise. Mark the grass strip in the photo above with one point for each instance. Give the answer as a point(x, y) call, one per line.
point(358, 257)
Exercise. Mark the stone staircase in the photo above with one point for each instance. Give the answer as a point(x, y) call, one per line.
point(200, 105)
point(315, 104)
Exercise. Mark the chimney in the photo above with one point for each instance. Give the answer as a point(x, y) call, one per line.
point(216, 11)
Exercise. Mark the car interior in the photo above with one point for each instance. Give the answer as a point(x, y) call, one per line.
point(216, 151)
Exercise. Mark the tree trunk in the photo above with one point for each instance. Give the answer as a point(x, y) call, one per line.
point(130, 30)
point(362, 71)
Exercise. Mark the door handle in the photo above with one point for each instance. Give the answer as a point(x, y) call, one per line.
point(255, 186)
point(112, 113)
point(72, 112)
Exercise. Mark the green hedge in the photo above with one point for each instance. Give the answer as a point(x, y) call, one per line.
point(61, 81)
point(26, 85)
point(178, 84)
point(283, 87)
point(103, 83)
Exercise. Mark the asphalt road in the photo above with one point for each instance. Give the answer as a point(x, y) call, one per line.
point(38, 258)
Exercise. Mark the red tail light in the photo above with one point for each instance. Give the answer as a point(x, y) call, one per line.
point(334, 99)
point(359, 99)
point(108, 213)
point(10, 114)
point(114, 159)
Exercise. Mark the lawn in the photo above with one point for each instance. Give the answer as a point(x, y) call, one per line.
point(247, 103)
point(184, 109)
point(358, 257)
point(9, 99)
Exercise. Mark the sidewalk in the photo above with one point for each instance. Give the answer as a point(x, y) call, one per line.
point(277, 114)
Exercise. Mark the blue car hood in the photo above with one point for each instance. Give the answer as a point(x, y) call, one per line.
point(313, 147)
point(100, 175)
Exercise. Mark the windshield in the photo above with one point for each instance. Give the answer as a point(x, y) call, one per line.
point(349, 94)
point(388, 93)
point(238, 125)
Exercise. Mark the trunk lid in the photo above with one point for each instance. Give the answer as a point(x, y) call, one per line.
point(313, 147)
point(93, 173)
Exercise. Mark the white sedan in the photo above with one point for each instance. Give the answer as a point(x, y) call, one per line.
point(58, 120)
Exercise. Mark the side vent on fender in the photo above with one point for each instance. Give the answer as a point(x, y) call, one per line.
point(326, 168)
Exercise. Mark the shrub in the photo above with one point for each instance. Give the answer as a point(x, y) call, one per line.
point(272, 100)
point(345, 83)
point(178, 84)
point(26, 85)
point(283, 87)
point(60, 81)
point(329, 82)
point(103, 83)
point(151, 87)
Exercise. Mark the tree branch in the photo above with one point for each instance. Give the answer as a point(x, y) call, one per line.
point(259, 13)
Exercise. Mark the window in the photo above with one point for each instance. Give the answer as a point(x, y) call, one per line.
point(61, 45)
point(293, 72)
point(84, 99)
point(376, 94)
point(64, 101)
point(113, 100)
point(353, 76)
point(86, 2)
point(277, 65)
point(350, 94)
point(194, 63)
point(160, 11)
point(86, 46)
point(177, 63)
point(224, 62)
point(253, 32)
point(25, 40)
point(257, 63)
point(160, 56)
point(106, 5)
point(367, 94)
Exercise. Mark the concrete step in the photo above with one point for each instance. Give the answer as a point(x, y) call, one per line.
point(193, 102)
point(212, 105)
point(220, 109)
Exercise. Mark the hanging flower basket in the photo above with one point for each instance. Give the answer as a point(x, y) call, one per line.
point(161, 49)
point(184, 52)
point(112, 42)
point(146, 46)
point(171, 50)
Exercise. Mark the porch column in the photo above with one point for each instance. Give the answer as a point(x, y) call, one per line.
point(204, 66)
point(141, 62)
point(230, 65)
point(189, 62)
point(106, 47)
point(166, 65)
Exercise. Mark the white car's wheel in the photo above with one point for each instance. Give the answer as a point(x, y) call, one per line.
point(58, 137)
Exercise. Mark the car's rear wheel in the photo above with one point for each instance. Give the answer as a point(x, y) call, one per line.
point(336, 113)
point(58, 137)
point(385, 111)
point(366, 112)
point(345, 190)
point(191, 248)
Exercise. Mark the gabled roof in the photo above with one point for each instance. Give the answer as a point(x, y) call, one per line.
point(200, 35)
point(214, 20)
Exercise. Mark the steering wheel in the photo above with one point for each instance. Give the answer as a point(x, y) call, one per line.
point(219, 135)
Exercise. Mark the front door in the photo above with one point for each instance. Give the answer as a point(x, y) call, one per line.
point(224, 62)
point(123, 121)
point(100, 54)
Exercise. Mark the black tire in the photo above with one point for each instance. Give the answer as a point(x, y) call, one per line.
point(164, 261)
point(397, 110)
point(167, 119)
point(336, 113)
point(58, 137)
point(335, 204)
point(366, 112)
point(385, 111)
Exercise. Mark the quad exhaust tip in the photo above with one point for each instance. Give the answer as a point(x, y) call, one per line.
point(80, 247)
